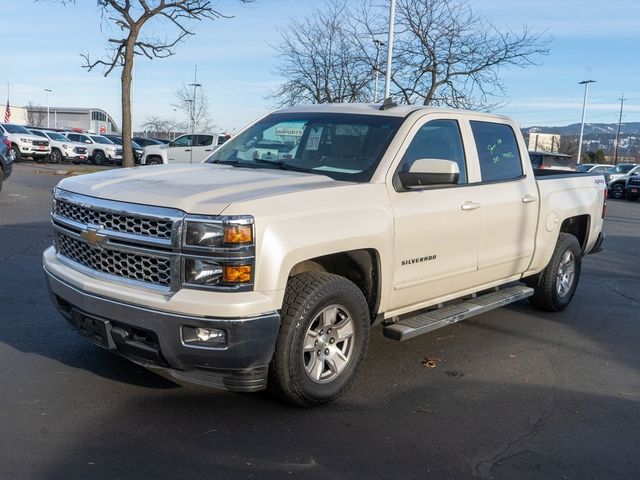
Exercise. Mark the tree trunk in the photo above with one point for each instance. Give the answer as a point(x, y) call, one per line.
point(127, 78)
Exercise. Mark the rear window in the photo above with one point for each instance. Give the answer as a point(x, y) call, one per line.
point(498, 151)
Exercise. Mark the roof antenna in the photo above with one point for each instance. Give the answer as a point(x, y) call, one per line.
point(387, 104)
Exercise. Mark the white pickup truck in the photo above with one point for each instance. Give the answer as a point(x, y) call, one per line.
point(267, 267)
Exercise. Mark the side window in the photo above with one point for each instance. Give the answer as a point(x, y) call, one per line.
point(72, 136)
point(204, 140)
point(497, 151)
point(38, 133)
point(183, 141)
point(437, 139)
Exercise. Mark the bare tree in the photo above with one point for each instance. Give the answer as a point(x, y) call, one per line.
point(444, 53)
point(198, 116)
point(569, 145)
point(319, 60)
point(159, 126)
point(129, 17)
point(36, 115)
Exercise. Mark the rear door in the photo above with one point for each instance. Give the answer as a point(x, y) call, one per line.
point(436, 228)
point(202, 147)
point(509, 203)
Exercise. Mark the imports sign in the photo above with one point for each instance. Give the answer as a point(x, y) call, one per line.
point(289, 132)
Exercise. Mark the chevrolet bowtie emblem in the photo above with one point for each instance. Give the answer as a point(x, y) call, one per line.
point(92, 236)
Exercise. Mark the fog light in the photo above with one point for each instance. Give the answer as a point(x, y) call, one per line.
point(204, 337)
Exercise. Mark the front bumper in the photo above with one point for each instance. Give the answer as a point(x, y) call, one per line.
point(30, 151)
point(152, 338)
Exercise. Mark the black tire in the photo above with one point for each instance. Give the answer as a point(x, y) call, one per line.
point(98, 158)
point(616, 191)
point(308, 298)
point(154, 161)
point(56, 156)
point(548, 293)
point(1, 178)
point(17, 156)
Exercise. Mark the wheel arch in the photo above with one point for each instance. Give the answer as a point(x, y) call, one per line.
point(361, 266)
point(578, 226)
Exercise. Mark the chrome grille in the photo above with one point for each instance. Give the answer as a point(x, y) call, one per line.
point(80, 150)
point(119, 152)
point(149, 227)
point(634, 181)
point(144, 268)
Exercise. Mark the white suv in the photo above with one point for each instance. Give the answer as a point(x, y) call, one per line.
point(192, 148)
point(62, 148)
point(24, 143)
point(99, 148)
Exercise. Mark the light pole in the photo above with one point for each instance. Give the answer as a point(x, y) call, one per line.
point(191, 121)
point(615, 152)
point(173, 126)
point(48, 92)
point(195, 85)
point(378, 44)
point(392, 21)
point(584, 105)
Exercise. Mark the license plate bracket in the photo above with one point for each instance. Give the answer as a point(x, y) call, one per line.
point(96, 330)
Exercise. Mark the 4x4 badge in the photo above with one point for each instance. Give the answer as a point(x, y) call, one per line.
point(92, 236)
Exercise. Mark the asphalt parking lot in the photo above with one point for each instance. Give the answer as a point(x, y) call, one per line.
point(514, 394)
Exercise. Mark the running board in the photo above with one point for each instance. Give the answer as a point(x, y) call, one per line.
point(426, 322)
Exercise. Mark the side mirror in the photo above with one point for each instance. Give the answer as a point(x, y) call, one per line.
point(87, 141)
point(430, 171)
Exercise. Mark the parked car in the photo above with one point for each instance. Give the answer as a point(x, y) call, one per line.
point(62, 148)
point(99, 148)
point(145, 142)
point(138, 150)
point(592, 167)
point(632, 187)
point(617, 177)
point(24, 143)
point(555, 161)
point(245, 272)
point(184, 149)
point(6, 159)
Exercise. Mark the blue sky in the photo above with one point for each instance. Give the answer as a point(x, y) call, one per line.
point(593, 39)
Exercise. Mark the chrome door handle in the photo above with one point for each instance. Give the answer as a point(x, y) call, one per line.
point(470, 205)
point(529, 198)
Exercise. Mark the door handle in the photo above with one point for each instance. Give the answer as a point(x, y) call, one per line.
point(470, 205)
point(187, 149)
point(208, 150)
point(529, 198)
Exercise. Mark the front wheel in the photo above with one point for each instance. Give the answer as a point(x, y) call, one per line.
point(555, 285)
point(17, 156)
point(323, 339)
point(55, 156)
point(617, 191)
point(98, 158)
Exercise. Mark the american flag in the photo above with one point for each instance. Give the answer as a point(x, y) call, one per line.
point(7, 113)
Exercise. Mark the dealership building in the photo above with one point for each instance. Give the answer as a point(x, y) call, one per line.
point(93, 120)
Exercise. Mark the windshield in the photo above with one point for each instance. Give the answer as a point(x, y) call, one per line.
point(15, 128)
point(57, 136)
point(621, 168)
point(340, 146)
point(583, 167)
point(100, 139)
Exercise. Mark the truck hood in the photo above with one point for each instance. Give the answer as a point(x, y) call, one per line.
point(203, 189)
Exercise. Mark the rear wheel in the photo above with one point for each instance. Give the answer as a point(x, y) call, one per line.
point(617, 191)
point(323, 339)
point(55, 156)
point(555, 285)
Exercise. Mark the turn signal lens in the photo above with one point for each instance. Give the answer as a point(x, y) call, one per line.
point(237, 274)
point(238, 234)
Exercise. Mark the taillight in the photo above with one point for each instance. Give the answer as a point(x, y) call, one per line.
point(7, 143)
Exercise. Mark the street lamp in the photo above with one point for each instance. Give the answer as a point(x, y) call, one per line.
point(191, 120)
point(584, 105)
point(392, 21)
point(48, 92)
point(378, 44)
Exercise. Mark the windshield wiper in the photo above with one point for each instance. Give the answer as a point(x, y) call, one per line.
point(255, 163)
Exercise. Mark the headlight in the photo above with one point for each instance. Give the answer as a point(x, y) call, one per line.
point(219, 252)
point(26, 140)
point(66, 147)
point(211, 273)
point(218, 233)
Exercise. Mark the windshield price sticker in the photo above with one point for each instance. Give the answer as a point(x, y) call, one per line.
point(313, 142)
point(289, 132)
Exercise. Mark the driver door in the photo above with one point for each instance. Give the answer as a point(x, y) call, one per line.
point(179, 150)
point(437, 227)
